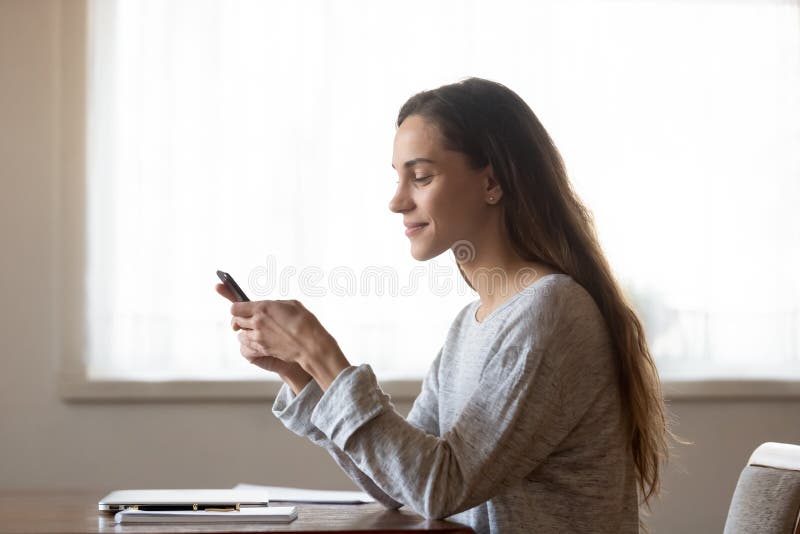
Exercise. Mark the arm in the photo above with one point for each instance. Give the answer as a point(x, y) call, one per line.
point(511, 423)
point(280, 335)
point(294, 411)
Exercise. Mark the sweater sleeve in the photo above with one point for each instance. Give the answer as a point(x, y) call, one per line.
point(294, 411)
point(424, 413)
point(512, 421)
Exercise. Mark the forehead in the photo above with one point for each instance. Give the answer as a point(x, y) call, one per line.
point(415, 138)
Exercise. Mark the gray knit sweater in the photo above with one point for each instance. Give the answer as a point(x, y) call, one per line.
point(518, 427)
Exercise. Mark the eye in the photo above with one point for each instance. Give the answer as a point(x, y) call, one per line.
point(418, 178)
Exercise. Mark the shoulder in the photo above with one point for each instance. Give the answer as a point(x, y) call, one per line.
point(559, 320)
point(553, 303)
point(564, 303)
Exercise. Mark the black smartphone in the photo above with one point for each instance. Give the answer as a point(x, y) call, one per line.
point(231, 284)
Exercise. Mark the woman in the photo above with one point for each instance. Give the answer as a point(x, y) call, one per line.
point(542, 411)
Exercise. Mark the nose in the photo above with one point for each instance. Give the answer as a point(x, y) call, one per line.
point(401, 201)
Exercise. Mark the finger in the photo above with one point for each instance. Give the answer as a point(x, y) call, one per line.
point(249, 352)
point(242, 337)
point(235, 324)
point(243, 323)
point(225, 292)
point(253, 348)
point(256, 357)
point(252, 338)
point(244, 309)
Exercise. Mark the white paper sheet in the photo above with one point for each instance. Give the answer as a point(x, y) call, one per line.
point(284, 494)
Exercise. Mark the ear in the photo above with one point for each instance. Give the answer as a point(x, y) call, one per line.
point(492, 190)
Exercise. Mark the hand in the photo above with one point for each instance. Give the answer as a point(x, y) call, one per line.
point(290, 372)
point(286, 330)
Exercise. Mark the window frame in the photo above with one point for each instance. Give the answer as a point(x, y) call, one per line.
point(73, 383)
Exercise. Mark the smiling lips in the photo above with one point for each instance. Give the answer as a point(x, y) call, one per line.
point(413, 228)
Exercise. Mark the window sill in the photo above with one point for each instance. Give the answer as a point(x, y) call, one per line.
point(80, 390)
point(728, 389)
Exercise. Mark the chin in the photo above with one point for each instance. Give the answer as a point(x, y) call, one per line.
point(422, 253)
point(420, 257)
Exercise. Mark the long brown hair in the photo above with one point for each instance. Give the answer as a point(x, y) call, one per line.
point(547, 223)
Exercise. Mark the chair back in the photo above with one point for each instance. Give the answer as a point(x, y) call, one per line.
point(767, 496)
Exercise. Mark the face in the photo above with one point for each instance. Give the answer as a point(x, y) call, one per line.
point(437, 189)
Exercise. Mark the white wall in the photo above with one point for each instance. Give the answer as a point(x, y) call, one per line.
point(46, 443)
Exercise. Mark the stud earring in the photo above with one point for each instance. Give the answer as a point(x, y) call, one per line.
point(491, 199)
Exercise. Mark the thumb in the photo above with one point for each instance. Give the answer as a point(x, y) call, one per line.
point(225, 292)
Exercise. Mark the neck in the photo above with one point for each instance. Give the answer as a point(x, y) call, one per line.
point(495, 270)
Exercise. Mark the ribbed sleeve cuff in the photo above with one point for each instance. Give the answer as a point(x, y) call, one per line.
point(353, 399)
point(294, 411)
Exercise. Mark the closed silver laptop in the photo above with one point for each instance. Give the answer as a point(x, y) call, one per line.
point(182, 499)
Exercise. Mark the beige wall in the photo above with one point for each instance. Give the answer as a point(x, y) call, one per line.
point(46, 443)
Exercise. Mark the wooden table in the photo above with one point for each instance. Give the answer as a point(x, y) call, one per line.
point(31, 511)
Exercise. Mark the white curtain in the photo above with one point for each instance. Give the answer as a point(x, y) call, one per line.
point(256, 137)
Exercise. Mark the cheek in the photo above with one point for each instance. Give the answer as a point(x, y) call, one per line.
point(452, 208)
point(436, 206)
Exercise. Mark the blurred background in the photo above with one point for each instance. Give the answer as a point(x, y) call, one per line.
point(146, 144)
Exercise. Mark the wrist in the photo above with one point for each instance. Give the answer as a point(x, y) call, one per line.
point(296, 379)
point(325, 369)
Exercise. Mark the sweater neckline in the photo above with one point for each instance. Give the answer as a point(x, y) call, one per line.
point(524, 291)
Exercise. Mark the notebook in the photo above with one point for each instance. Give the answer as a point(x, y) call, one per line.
point(272, 514)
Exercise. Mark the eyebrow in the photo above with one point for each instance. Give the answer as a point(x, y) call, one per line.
point(410, 163)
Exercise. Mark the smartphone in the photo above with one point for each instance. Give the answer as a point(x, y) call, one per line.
point(232, 286)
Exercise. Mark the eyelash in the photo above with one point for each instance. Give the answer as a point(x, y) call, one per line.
point(419, 179)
